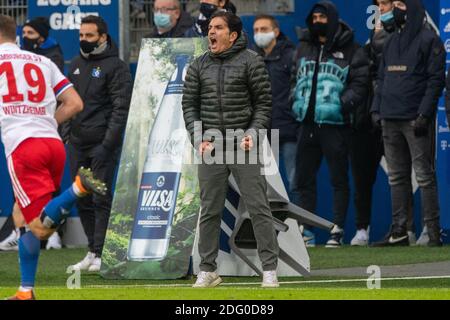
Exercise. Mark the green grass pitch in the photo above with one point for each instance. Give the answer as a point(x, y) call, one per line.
point(52, 278)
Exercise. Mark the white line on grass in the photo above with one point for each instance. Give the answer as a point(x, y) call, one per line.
point(230, 284)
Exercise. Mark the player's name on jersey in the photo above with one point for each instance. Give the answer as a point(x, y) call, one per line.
point(20, 56)
point(24, 109)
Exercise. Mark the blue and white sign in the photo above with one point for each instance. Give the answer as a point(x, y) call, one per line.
point(65, 17)
point(443, 136)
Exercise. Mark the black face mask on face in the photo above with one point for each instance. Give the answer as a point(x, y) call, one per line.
point(319, 29)
point(399, 16)
point(208, 9)
point(30, 44)
point(88, 47)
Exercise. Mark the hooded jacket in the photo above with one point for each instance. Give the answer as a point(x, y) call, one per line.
point(412, 70)
point(185, 22)
point(342, 80)
point(230, 90)
point(51, 49)
point(104, 84)
point(279, 64)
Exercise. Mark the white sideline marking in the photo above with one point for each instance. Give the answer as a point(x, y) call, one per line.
point(175, 285)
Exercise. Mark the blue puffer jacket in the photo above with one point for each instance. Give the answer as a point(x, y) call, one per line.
point(342, 81)
point(412, 71)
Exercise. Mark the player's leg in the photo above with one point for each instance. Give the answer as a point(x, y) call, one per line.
point(34, 180)
point(55, 211)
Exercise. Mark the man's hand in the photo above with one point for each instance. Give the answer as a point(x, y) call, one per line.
point(376, 120)
point(206, 146)
point(247, 143)
point(421, 126)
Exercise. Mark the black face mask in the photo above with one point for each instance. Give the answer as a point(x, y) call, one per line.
point(87, 47)
point(208, 9)
point(399, 16)
point(30, 44)
point(389, 26)
point(319, 29)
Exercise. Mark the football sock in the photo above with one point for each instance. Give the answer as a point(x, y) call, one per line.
point(59, 208)
point(29, 249)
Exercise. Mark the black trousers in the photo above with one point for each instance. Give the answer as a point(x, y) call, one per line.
point(366, 151)
point(314, 143)
point(94, 210)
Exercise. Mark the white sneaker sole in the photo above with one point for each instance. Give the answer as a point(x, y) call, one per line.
point(333, 246)
point(78, 268)
point(213, 284)
point(15, 248)
point(270, 285)
point(359, 243)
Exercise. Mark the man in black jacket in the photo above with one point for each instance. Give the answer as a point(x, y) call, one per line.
point(95, 135)
point(410, 81)
point(278, 54)
point(170, 20)
point(35, 38)
point(331, 81)
point(228, 88)
point(366, 149)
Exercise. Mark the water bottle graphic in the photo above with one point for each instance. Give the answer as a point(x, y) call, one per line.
point(158, 191)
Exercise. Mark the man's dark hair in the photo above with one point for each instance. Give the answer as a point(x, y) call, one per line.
point(102, 27)
point(272, 19)
point(8, 27)
point(233, 21)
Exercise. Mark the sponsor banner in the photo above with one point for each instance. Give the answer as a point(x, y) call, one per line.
point(443, 131)
point(156, 203)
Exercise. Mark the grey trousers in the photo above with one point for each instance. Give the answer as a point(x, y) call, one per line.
point(213, 180)
point(403, 150)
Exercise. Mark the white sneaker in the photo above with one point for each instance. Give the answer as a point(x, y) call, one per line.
point(85, 263)
point(424, 238)
point(11, 243)
point(336, 238)
point(270, 279)
point(95, 265)
point(54, 242)
point(361, 238)
point(207, 280)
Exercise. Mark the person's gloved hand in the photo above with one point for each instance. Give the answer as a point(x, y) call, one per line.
point(100, 153)
point(376, 120)
point(421, 126)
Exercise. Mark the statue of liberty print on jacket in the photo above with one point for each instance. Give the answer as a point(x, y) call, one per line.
point(331, 93)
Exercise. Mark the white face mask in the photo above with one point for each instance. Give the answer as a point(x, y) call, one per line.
point(263, 40)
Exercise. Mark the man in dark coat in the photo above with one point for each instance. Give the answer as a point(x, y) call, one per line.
point(278, 54)
point(35, 38)
point(228, 89)
point(95, 135)
point(331, 82)
point(410, 81)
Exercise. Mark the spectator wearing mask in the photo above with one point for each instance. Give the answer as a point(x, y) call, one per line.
point(278, 54)
point(170, 20)
point(35, 38)
point(331, 82)
point(410, 81)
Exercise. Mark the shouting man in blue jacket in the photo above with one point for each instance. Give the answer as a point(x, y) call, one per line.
point(410, 82)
